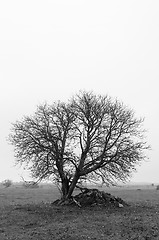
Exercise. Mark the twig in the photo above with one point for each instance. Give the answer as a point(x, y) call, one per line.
point(77, 203)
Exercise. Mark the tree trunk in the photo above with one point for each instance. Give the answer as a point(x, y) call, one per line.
point(65, 188)
point(72, 186)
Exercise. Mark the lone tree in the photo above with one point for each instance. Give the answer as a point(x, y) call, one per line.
point(91, 137)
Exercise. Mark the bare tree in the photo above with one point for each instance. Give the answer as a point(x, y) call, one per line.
point(92, 137)
point(30, 184)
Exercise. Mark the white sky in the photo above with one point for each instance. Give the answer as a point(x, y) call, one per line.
point(50, 50)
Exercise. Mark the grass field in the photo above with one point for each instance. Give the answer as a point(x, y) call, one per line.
point(27, 214)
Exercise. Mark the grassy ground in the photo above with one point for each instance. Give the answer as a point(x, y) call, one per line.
point(27, 214)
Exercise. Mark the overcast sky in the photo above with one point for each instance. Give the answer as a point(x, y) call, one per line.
point(50, 50)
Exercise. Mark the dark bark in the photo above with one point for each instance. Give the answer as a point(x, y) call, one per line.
point(68, 188)
point(65, 188)
point(72, 187)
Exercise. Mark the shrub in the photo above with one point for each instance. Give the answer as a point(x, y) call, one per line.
point(7, 183)
point(157, 187)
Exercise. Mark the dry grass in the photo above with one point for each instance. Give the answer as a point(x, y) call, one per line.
point(27, 214)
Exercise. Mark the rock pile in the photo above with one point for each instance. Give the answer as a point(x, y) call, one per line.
point(94, 197)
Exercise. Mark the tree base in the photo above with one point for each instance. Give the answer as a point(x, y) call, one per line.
point(93, 197)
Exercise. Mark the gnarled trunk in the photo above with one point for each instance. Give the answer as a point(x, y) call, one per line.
point(67, 188)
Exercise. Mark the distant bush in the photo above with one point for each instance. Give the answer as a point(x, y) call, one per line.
point(157, 187)
point(7, 183)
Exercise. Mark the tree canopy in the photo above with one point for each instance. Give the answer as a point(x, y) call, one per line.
point(91, 137)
